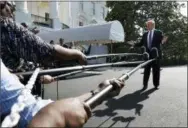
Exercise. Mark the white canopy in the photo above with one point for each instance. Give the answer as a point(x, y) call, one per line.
point(109, 32)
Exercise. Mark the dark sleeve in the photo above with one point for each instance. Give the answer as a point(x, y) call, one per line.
point(65, 46)
point(24, 44)
point(141, 43)
point(88, 50)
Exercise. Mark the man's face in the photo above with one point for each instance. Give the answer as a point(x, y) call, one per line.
point(150, 26)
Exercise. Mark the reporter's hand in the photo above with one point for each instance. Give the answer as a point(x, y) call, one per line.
point(81, 58)
point(117, 84)
point(63, 113)
point(46, 79)
point(76, 113)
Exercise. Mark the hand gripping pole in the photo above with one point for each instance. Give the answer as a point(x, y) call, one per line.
point(99, 96)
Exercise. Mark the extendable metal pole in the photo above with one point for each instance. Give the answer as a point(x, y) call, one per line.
point(76, 68)
point(108, 55)
point(98, 97)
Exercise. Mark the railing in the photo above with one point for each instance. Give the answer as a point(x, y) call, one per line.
point(41, 21)
point(45, 22)
point(64, 26)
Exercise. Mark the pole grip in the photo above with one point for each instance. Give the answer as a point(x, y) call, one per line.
point(92, 102)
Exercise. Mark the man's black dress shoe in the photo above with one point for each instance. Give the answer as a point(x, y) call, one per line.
point(156, 86)
point(145, 87)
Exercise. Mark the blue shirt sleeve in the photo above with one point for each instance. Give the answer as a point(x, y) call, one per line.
point(10, 90)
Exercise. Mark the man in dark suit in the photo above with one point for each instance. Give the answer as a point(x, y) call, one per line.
point(150, 39)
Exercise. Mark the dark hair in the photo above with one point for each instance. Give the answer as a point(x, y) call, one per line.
point(51, 42)
point(10, 4)
point(61, 39)
point(24, 24)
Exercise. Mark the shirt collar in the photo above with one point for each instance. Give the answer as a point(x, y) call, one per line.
point(151, 30)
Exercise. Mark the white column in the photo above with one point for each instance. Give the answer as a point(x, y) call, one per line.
point(22, 6)
point(54, 15)
point(70, 15)
point(22, 14)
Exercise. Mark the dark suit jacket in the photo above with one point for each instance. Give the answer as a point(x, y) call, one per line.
point(156, 42)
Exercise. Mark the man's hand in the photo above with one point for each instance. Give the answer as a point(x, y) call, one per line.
point(117, 84)
point(81, 58)
point(47, 79)
point(76, 113)
point(70, 113)
point(164, 39)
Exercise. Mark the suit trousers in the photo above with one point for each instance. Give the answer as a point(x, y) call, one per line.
point(155, 65)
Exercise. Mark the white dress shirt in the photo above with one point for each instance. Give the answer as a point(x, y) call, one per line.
point(152, 32)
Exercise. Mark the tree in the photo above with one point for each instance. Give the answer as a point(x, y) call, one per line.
point(134, 14)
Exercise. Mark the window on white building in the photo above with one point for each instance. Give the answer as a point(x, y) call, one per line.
point(93, 8)
point(103, 12)
point(81, 23)
point(81, 6)
point(47, 16)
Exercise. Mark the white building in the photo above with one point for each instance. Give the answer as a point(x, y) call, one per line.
point(53, 15)
point(58, 15)
point(89, 12)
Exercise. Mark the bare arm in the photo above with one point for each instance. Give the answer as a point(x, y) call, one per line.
point(48, 117)
point(62, 113)
point(62, 53)
point(71, 112)
point(22, 43)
